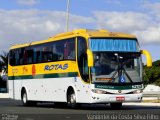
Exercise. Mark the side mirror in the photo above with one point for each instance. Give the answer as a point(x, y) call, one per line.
point(90, 58)
point(148, 57)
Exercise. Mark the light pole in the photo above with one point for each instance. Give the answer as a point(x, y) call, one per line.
point(67, 15)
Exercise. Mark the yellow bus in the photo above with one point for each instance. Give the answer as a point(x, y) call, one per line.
point(81, 66)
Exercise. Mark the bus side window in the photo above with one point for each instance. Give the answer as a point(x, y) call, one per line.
point(12, 57)
point(55, 55)
point(38, 54)
point(60, 49)
point(82, 59)
point(25, 57)
point(28, 56)
point(47, 53)
point(16, 57)
point(21, 52)
point(66, 50)
point(69, 49)
point(72, 54)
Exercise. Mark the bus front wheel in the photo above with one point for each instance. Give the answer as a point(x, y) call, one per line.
point(71, 100)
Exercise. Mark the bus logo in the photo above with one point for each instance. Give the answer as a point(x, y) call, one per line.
point(56, 67)
point(119, 91)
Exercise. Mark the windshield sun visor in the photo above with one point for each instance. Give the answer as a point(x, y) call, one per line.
point(125, 45)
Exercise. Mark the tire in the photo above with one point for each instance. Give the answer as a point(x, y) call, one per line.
point(71, 100)
point(24, 98)
point(25, 101)
point(116, 105)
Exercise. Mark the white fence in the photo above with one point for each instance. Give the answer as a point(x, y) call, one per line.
point(152, 95)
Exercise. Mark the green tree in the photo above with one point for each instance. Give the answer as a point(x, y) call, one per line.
point(152, 75)
point(4, 59)
point(4, 62)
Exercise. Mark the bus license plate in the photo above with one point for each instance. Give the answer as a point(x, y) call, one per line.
point(120, 98)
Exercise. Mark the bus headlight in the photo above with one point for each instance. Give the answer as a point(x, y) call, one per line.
point(99, 91)
point(137, 91)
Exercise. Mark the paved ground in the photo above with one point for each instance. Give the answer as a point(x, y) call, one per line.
point(13, 110)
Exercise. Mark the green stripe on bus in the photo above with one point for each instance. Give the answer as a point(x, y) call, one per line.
point(100, 86)
point(41, 76)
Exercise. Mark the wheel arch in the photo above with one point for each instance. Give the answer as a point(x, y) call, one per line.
point(69, 89)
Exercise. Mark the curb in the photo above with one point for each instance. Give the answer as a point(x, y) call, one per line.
point(4, 95)
point(149, 104)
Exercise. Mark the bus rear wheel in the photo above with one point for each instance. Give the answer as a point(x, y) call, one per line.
point(116, 105)
point(25, 101)
point(24, 98)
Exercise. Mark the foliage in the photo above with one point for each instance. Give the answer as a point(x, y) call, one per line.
point(3, 62)
point(4, 59)
point(152, 75)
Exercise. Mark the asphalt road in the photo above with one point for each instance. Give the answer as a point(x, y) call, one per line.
point(13, 110)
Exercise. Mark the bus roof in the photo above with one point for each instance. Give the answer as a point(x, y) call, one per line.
point(80, 32)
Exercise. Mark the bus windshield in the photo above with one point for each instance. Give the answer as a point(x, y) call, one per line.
point(116, 67)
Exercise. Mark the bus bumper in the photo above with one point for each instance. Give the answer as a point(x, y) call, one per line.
point(113, 98)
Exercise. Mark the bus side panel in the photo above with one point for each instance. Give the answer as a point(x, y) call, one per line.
point(10, 83)
point(33, 88)
point(83, 94)
point(55, 89)
point(48, 89)
point(15, 89)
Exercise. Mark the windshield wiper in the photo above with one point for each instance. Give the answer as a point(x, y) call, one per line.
point(121, 70)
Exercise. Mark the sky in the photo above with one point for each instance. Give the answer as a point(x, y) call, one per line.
point(23, 21)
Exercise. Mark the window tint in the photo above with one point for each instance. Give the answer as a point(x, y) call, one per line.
point(47, 52)
point(21, 52)
point(12, 57)
point(16, 57)
point(69, 50)
point(28, 56)
point(60, 49)
point(38, 50)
